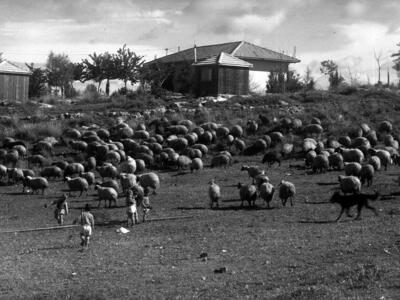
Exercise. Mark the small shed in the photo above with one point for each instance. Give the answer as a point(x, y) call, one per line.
point(221, 74)
point(14, 82)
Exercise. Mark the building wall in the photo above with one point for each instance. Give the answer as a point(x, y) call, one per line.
point(206, 81)
point(14, 87)
point(268, 66)
point(232, 80)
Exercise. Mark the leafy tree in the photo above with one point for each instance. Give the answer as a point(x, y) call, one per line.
point(60, 72)
point(279, 83)
point(37, 81)
point(128, 65)
point(330, 68)
point(155, 75)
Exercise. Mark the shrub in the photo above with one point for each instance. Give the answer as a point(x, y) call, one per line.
point(90, 94)
point(36, 131)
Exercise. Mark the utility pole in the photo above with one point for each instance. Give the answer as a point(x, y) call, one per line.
point(166, 51)
point(388, 78)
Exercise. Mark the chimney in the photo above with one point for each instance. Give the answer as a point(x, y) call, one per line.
point(195, 53)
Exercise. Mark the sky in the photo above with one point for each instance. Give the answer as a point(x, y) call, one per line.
point(348, 32)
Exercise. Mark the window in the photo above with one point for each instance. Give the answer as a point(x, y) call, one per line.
point(206, 74)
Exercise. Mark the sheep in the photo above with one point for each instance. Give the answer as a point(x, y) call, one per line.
point(236, 131)
point(220, 160)
point(109, 183)
point(21, 150)
point(266, 191)
point(128, 166)
point(251, 127)
point(127, 181)
point(287, 190)
point(320, 164)
point(312, 129)
point(35, 184)
point(385, 126)
point(352, 169)
point(149, 180)
point(107, 171)
point(375, 161)
point(114, 157)
point(214, 193)
point(351, 155)
point(28, 172)
point(140, 165)
point(383, 155)
point(272, 157)
point(90, 177)
point(367, 174)
point(15, 175)
point(77, 184)
point(183, 162)
point(80, 146)
point(11, 158)
point(197, 164)
point(336, 161)
point(61, 164)
point(51, 172)
point(309, 144)
point(349, 184)
point(253, 171)
point(260, 179)
point(106, 193)
point(3, 171)
point(310, 156)
point(73, 169)
point(247, 192)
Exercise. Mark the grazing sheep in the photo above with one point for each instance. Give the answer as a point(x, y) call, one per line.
point(77, 184)
point(220, 160)
point(309, 144)
point(287, 190)
point(80, 146)
point(61, 164)
point(336, 161)
point(272, 157)
point(11, 158)
point(349, 184)
point(149, 180)
point(345, 141)
point(90, 177)
point(237, 131)
point(140, 165)
point(214, 193)
point(127, 180)
point(346, 202)
point(352, 169)
point(15, 175)
point(106, 193)
point(320, 164)
point(114, 157)
point(383, 155)
point(310, 156)
point(110, 183)
point(52, 172)
point(266, 191)
point(260, 179)
point(375, 161)
point(251, 127)
point(128, 166)
point(21, 150)
point(247, 192)
point(107, 171)
point(367, 174)
point(351, 155)
point(183, 162)
point(74, 169)
point(312, 129)
point(253, 171)
point(197, 164)
point(28, 172)
point(385, 126)
point(35, 184)
point(3, 171)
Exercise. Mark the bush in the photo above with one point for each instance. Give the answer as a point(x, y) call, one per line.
point(90, 94)
point(37, 131)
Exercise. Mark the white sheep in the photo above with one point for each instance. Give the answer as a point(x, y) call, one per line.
point(106, 193)
point(127, 181)
point(266, 192)
point(260, 179)
point(149, 180)
point(320, 163)
point(336, 161)
point(253, 171)
point(35, 184)
point(15, 175)
point(51, 172)
point(383, 155)
point(375, 161)
point(128, 166)
point(351, 155)
point(77, 184)
point(367, 174)
point(74, 168)
point(247, 192)
point(349, 184)
point(214, 193)
point(197, 164)
point(3, 171)
point(183, 162)
point(220, 160)
point(287, 190)
point(90, 177)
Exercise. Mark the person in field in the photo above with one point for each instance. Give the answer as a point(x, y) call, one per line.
point(146, 203)
point(131, 208)
point(86, 220)
point(61, 209)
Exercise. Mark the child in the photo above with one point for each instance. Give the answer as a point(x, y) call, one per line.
point(61, 209)
point(146, 203)
point(86, 220)
point(131, 208)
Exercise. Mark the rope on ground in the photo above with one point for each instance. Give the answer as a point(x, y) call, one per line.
point(37, 229)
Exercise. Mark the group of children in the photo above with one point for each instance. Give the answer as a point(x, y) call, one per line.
point(134, 199)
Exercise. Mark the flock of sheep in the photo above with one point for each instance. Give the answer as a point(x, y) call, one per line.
point(121, 154)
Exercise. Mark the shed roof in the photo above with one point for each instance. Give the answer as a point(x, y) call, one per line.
point(224, 59)
point(8, 68)
point(241, 49)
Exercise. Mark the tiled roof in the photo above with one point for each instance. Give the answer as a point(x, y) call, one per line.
point(224, 59)
point(239, 49)
point(9, 68)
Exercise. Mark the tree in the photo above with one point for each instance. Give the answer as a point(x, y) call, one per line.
point(330, 68)
point(60, 72)
point(155, 75)
point(378, 61)
point(396, 61)
point(279, 83)
point(37, 81)
point(128, 65)
point(308, 80)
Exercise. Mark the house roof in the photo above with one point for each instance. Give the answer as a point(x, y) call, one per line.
point(224, 59)
point(241, 49)
point(9, 68)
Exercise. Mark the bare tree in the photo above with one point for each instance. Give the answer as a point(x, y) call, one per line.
point(1, 57)
point(378, 61)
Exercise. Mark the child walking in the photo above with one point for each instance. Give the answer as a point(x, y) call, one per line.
point(131, 208)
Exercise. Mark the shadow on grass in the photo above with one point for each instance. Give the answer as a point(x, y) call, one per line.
point(96, 207)
point(192, 208)
point(17, 193)
point(327, 183)
point(180, 173)
point(223, 208)
point(316, 221)
point(112, 223)
point(298, 167)
point(317, 203)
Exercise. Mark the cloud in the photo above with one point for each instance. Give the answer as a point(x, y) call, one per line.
point(356, 8)
point(252, 23)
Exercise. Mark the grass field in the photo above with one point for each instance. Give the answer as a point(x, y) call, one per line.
point(278, 253)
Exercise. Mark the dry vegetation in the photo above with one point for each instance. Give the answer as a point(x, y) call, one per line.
point(277, 253)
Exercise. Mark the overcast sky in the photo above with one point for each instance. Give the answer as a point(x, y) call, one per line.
point(345, 31)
